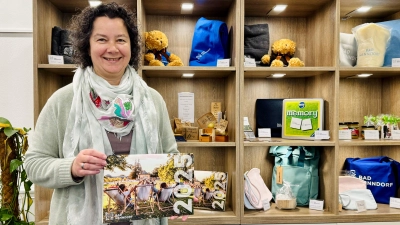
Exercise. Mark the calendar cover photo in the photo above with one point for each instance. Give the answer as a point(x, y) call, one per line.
point(210, 190)
point(138, 187)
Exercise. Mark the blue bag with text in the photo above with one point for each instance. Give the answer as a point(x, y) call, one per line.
point(381, 174)
point(299, 168)
point(210, 43)
point(393, 48)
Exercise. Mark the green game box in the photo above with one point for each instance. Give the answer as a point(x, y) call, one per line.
point(302, 117)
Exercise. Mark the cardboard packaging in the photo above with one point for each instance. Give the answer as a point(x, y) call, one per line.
point(191, 133)
point(302, 117)
point(205, 138)
point(221, 138)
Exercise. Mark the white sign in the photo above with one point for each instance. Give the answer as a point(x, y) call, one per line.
point(264, 132)
point(394, 202)
point(322, 135)
point(316, 204)
point(56, 59)
point(371, 134)
point(249, 62)
point(361, 206)
point(344, 134)
point(395, 62)
point(396, 134)
point(266, 205)
point(223, 62)
point(186, 106)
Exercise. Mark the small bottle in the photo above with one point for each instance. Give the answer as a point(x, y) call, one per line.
point(355, 131)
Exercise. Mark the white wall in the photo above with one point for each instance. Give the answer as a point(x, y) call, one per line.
point(16, 62)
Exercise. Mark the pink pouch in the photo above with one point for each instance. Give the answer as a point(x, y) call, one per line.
point(347, 183)
point(255, 189)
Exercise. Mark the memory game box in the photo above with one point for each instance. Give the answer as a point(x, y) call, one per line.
point(302, 117)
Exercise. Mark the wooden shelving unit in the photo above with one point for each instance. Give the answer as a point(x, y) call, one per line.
point(315, 26)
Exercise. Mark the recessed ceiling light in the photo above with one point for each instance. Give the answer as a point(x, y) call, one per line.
point(277, 75)
point(94, 3)
point(363, 9)
point(364, 75)
point(186, 8)
point(187, 75)
point(279, 8)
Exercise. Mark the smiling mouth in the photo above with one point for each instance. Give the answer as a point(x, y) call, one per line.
point(112, 59)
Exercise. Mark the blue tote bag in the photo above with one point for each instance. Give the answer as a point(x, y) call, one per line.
point(381, 174)
point(210, 43)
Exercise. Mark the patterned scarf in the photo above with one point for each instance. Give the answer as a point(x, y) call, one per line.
point(98, 107)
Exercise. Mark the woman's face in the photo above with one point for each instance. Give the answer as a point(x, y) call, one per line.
point(110, 48)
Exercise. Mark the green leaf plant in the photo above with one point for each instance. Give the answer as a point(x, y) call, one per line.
point(13, 146)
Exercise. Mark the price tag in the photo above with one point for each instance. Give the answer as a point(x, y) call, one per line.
point(394, 202)
point(344, 134)
point(223, 62)
point(55, 59)
point(361, 206)
point(264, 132)
point(371, 134)
point(316, 204)
point(322, 134)
point(396, 134)
point(249, 62)
point(266, 205)
point(279, 175)
point(395, 62)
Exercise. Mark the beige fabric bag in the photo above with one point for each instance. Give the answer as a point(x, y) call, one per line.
point(372, 41)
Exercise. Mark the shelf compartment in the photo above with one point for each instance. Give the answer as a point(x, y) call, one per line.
point(300, 23)
point(259, 157)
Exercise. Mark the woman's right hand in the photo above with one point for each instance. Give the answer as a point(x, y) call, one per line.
point(88, 162)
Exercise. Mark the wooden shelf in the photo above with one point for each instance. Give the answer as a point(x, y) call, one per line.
point(176, 72)
point(377, 72)
point(206, 144)
point(291, 72)
point(360, 142)
point(315, 26)
point(65, 69)
point(277, 216)
point(282, 142)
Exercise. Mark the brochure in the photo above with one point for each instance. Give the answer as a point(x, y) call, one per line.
point(145, 186)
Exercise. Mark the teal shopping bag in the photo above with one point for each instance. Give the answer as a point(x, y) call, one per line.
point(300, 169)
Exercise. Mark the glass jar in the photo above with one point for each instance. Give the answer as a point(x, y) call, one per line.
point(343, 126)
point(355, 130)
point(366, 128)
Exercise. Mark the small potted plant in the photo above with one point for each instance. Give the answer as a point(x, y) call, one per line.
point(13, 145)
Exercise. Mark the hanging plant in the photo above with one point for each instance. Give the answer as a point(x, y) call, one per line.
point(13, 145)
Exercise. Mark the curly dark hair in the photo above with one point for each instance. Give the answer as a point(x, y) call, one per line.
point(81, 28)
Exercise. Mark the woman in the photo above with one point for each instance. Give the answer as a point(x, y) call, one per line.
point(107, 109)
